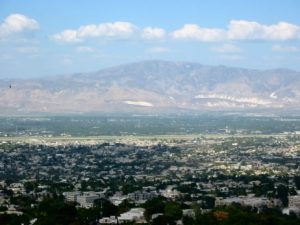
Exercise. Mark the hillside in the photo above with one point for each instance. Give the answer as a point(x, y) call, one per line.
point(154, 86)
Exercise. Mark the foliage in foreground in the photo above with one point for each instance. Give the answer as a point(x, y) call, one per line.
point(54, 211)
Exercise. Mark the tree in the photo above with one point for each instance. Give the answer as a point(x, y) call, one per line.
point(125, 206)
point(187, 220)
point(6, 219)
point(297, 182)
point(105, 207)
point(163, 220)
point(209, 202)
point(55, 211)
point(173, 211)
point(282, 194)
point(155, 205)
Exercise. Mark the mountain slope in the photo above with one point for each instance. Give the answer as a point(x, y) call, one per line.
point(155, 85)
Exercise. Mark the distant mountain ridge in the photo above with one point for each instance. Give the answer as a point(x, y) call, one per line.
point(155, 86)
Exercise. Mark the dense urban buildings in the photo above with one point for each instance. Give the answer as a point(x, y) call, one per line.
point(117, 181)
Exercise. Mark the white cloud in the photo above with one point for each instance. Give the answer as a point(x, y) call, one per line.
point(116, 30)
point(84, 49)
point(237, 30)
point(281, 48)
point(158, 50)
point(109, 30)
point(153, 33)
point(227, 48)
point(249, 30)
point(16, 24)
point(240, 30)
point(193, 31)
point(67, 36)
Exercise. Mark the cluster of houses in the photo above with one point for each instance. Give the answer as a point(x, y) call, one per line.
point(188, 170)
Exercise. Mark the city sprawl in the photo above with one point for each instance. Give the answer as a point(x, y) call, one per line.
point(178, 178)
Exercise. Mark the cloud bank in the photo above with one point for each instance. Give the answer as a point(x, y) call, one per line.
point(112, 30)
point(117, 30)
point(240, 30)
point(237, 30)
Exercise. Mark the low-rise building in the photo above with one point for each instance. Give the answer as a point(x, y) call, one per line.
point(135, 214)
point(84, 199)
point(141, 196)
point(109, 220)
point(256, 202)
point(294, 201)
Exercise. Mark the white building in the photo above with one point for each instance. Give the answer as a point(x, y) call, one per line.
point(71, 196)
point(117, 199)
point(141, 196)
point(189, 213)
point(135, 214)
point(85, 199)
point(170, 192)
point(108, 220)
point(289, 210)
point(256, 202)
point(294, 201)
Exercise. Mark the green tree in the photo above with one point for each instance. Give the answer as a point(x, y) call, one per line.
point(297, 182)
point(125, 206)
point(105, 208)
point(282, 194)
point(163, 220)
point(188, 220)
point(209, 202)
point(173, 210)
point(155, 205)
point(55, 211)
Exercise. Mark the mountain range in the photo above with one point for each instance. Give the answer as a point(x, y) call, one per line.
point(154, 86)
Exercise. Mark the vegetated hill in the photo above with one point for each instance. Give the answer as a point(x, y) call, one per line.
point(155, 86)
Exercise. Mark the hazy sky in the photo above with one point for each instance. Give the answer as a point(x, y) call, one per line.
point(41, 38)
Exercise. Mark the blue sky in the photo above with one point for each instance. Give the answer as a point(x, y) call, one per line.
point(44, 38)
